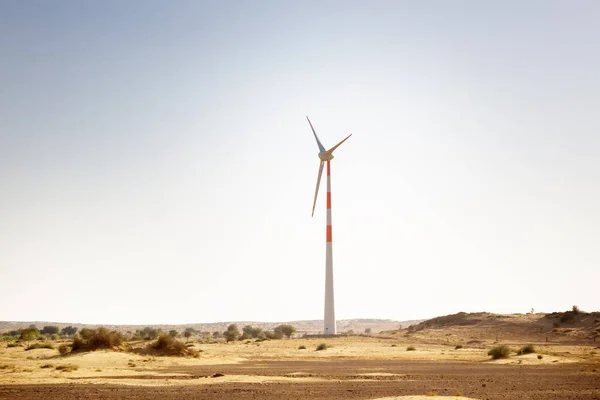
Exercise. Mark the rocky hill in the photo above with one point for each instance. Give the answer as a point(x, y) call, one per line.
point(569, 326)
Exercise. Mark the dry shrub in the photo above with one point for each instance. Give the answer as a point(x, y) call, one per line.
point(64, 349)
point(322, 346)
point(527, 349)
point(95, 339)
point(168, 345)
point(34, 346)
point(67, 367)
point(411, 348)
point(499, 352)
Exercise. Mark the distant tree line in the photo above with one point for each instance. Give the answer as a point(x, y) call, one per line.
point(250, 332)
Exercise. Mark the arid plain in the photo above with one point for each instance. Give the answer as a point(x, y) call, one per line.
point(442, 357)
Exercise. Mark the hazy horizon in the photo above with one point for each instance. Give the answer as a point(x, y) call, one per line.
point(156, 165)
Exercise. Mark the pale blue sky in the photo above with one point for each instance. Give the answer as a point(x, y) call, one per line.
point(156, 165)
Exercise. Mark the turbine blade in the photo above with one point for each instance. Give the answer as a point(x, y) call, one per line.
point(338, 145)
point(317, 188)
point(321, 148)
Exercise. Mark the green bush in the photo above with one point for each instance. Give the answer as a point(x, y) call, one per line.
point(232, 333)
point(68, 330)
point(527, 349)
point(50, 330)
point(322, 346)
point(29, 334)
point(499, 352)
point(410, 348)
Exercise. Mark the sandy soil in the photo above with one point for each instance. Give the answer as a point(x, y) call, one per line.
point(353, 368)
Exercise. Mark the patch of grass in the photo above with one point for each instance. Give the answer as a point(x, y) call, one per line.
point(411, 348)
point(131, 364)
point(13, 345)
point(45, 345)
point(67, 367)
point(302, 347)
point(394, 345)
point(527, 349)
point(458, 346)
point(47, 366)
point(322, 346)
point(5, 366)
point(499, 352)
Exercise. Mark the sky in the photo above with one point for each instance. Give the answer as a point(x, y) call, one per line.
point(156, 165)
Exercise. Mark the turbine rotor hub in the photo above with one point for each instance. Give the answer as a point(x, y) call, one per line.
point(325, 156)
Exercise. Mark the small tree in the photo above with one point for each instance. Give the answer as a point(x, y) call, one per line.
point(256, 331)
point(86, 333)
point(190, 332)
point(247, 332)
point(150, 333)
point(284, 330)
point(29, 334)
point(68, 331)
point(576, 310)
point(217, 334)
point(50, 330)
point(173, 333)
point(278, 332)
point(367, 331)
point(232, 333)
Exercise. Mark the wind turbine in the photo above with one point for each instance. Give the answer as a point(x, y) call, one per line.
point(326, 156)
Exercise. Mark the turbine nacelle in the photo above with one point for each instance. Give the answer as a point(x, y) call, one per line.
point(324, 156)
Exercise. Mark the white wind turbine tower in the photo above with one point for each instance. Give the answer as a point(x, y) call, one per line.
point(326, 156)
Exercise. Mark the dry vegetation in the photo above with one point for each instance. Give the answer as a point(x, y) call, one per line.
point(108, 356)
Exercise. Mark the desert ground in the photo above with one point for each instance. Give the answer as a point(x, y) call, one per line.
point(352, 367)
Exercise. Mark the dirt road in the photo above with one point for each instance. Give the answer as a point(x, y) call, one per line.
point(347, 379)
